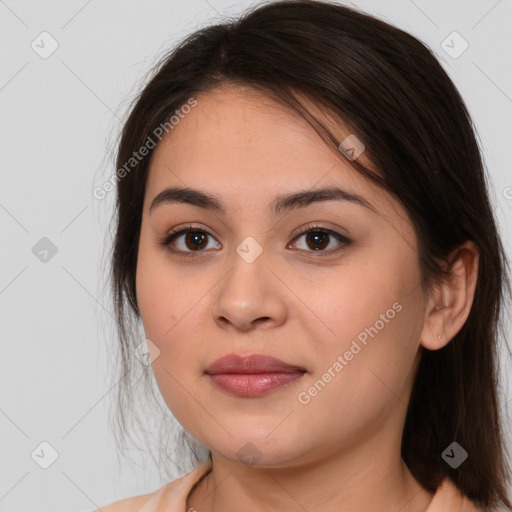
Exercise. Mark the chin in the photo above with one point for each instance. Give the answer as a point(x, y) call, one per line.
point(258, 451)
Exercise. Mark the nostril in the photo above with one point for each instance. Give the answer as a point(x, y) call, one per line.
point(262, 319)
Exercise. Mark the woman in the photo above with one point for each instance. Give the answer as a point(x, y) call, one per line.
point(304, 230)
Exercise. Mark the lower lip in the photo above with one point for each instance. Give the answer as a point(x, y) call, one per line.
point(253, 384)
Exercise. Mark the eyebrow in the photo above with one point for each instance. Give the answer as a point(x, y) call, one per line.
point(280, 204)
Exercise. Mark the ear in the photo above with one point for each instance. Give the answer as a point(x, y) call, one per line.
point(449, 306)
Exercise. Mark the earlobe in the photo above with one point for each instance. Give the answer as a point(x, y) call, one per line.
point(449, 307)
point(433, 336)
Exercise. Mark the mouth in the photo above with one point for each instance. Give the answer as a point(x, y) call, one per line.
point(253, 375)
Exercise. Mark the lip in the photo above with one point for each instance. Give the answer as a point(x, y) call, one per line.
point(254, 363)
point(252, 375)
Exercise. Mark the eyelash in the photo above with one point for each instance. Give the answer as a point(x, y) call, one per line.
point(310, 228)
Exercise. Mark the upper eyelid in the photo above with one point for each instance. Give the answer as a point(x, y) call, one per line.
point(302, 231)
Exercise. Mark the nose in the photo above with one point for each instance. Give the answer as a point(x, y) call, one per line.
point(249, 296)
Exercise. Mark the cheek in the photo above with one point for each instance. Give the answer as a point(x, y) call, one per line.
point(355, 303)
point(164, 294)
point(170, 305)
point(363, 374)
point(373, 323)
point(169, 312)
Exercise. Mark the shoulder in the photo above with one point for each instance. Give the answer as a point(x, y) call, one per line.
point(171, 497)
point(448, 497)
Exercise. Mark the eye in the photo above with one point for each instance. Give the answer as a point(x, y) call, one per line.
point(190, 240)
point(318, 239)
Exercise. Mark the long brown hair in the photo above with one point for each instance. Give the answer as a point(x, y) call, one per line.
point(391, 91)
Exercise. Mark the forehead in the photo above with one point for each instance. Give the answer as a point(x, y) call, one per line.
point(240, 144)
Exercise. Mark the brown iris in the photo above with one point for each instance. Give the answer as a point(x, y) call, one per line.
point(195, 238)
point(318, 238)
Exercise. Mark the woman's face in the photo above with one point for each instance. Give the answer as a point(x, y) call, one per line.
point(348, 310)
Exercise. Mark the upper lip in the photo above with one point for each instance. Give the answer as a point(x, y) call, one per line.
point(255, 363)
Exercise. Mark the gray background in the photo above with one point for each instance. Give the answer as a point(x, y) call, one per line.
point(58, 116)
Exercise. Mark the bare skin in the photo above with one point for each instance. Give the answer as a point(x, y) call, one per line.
point(339, 450)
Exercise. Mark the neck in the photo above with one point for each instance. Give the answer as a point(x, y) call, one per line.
point(370, 477)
